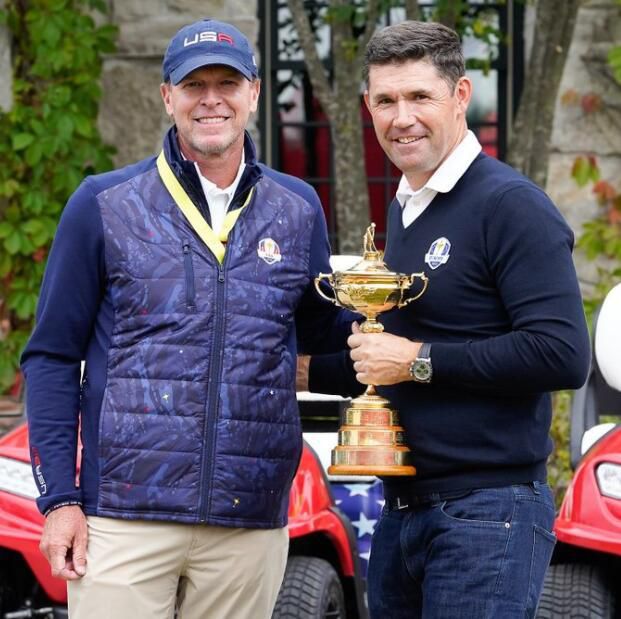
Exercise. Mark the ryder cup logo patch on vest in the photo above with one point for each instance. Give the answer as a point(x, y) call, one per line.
point(439, 252)
point(269, 251)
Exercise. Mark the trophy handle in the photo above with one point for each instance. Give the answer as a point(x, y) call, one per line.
point(318, 279)
point(425, 281)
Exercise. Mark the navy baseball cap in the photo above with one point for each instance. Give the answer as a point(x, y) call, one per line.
point(208, 42)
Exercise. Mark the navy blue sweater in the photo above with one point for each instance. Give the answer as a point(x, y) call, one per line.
point(506, 325)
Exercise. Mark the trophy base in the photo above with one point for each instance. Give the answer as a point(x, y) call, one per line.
point(371, 441)
point(377, 471)
point(384, 461)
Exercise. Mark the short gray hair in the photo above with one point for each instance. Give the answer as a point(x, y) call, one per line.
point(417, 40)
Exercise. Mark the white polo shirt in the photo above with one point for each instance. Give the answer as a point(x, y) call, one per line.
point(414, 202)
point(218, 199)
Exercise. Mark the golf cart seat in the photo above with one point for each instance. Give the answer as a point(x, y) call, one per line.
point(597, 397)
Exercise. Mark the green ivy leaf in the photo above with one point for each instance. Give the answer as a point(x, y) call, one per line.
point(41, 238)
point(57, 5)
point(7, 373)
point(13, 242)
point(10, 188)
point(34, 153)
point(594, 173)
point(65, 127)
point(59, 96)
point(21, 140)
point(33, 226)
point(27, 246)
point(51, 33)
point(24, 304)
point(6, 229)
point(581, 171)
point(6, 264)
point(83, 126)
point(100, 5)
point(614, 60)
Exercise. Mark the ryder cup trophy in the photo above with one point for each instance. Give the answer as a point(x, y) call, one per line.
point(371, 441)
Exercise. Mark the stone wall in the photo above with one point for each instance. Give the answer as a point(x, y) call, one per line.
point(6, 73)
point(577, 133)
point(132, 115)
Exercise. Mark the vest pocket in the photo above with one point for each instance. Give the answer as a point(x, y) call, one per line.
point(190, 293)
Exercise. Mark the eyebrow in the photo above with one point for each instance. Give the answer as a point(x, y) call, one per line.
point(409, 94)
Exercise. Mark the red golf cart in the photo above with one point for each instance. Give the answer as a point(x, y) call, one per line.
point(584, 579)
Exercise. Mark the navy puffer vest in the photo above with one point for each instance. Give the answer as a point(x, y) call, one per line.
point(199, 421)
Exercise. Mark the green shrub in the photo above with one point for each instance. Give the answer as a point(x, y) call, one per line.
point(559, 467)
point(48, 142)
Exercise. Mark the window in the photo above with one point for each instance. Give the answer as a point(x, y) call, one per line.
point(295, 133)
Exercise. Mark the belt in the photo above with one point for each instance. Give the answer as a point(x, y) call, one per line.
point(410, 501)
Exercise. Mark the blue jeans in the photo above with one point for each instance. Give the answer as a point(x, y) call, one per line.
point(479, 556)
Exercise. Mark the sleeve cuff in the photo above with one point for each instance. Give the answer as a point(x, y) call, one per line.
point(333, 374)
point(48, 504)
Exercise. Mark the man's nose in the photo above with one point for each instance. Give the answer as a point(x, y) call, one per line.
point(405, 114)
point(210, 97)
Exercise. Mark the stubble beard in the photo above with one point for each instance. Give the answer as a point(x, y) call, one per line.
point(210, 149)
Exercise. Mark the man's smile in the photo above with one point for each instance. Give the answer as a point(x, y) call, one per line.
point(211, 120)
point(409, 139)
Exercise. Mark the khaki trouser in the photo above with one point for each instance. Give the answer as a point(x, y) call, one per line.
point(141, 570)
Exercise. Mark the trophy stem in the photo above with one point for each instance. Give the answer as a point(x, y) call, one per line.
point(370, 325)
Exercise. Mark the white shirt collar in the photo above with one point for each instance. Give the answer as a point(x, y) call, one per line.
point(218, 200)
point(211, 188)
point(448, 173)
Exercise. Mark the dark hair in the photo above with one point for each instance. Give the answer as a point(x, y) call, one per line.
point(417, 40)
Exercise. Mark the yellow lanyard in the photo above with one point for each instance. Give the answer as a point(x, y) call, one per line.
point(215, 243)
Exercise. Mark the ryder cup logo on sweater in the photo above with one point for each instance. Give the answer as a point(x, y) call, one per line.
point(439, 252)
point(269, 251)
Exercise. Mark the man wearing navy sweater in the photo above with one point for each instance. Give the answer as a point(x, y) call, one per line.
point(470, 365)
point(183, 281)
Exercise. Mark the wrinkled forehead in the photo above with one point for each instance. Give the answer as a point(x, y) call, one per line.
point(407, 75)
point(421, 68)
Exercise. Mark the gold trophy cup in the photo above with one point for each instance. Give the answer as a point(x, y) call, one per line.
point(371, 441)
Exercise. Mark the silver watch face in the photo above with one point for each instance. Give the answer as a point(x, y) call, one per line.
point(421, 370)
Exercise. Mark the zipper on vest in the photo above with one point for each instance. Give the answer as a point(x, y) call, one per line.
point(190, 293)
point(213, 403)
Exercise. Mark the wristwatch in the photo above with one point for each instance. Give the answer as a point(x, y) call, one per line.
point(420, 369)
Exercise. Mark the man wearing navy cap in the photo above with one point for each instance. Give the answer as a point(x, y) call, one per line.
point(184, 282)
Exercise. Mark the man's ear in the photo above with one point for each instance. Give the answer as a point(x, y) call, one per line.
point(463, 92)
point(255, 86)
point(165, 90)
point(366, 100)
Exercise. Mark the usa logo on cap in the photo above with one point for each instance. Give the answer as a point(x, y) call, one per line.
point(208, 36)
